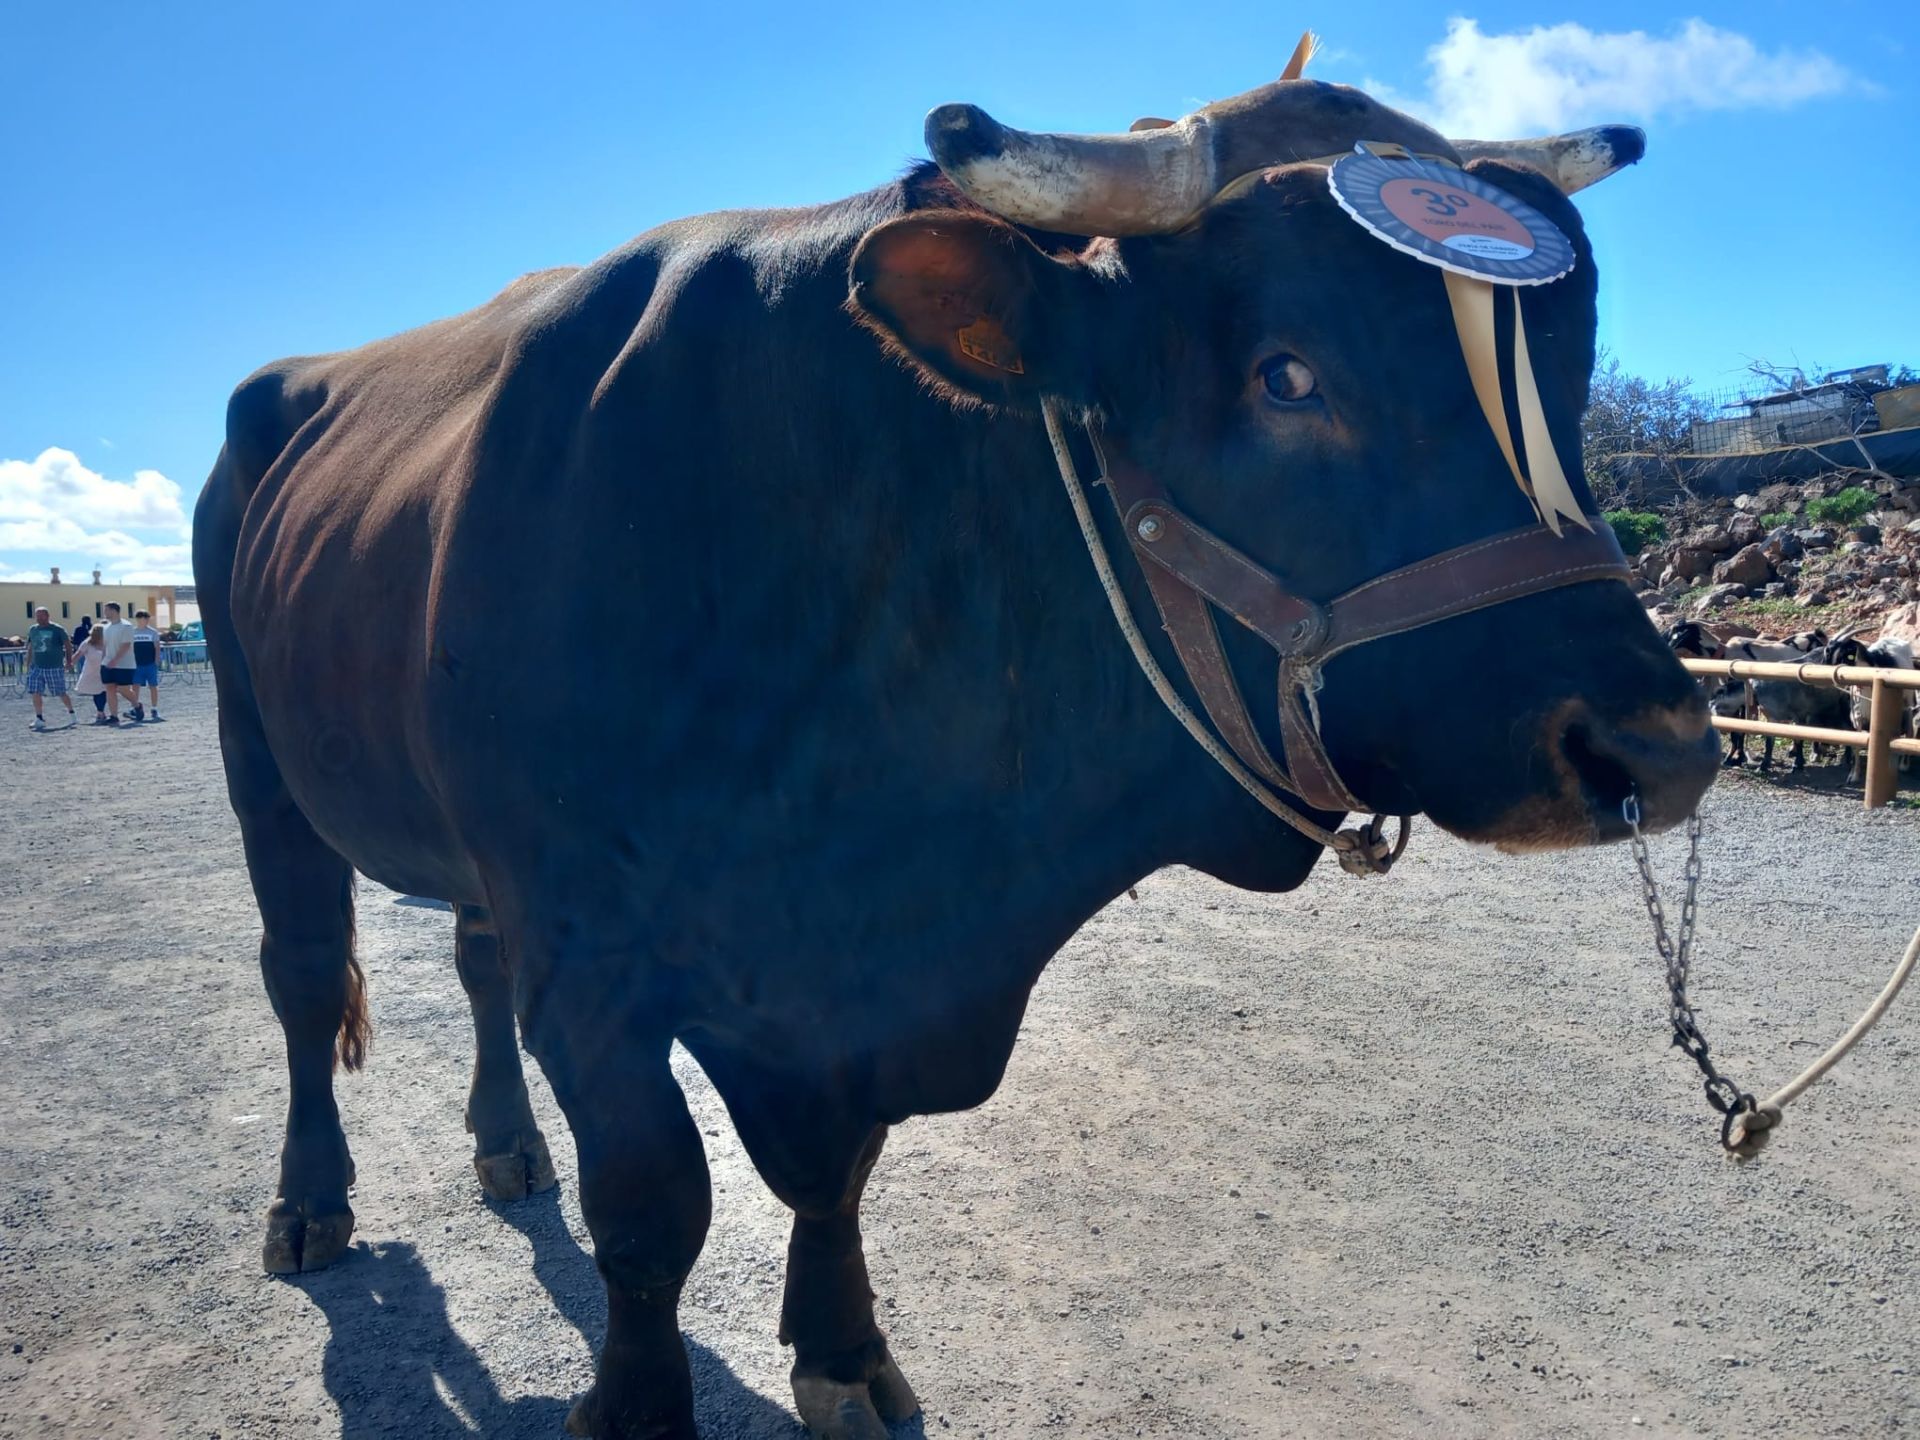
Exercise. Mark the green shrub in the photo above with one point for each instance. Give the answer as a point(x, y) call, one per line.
point(1636, 529)
point(1846, 508)
point(1776, 520)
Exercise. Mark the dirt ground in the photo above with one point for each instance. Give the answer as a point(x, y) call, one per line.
point(1372, 1159)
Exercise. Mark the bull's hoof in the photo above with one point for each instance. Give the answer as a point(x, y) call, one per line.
point(299, 1243)
point(589, 1418)
point(862, 1411)
point(524, 1170)
point(1732, 760)
point(585, 1418)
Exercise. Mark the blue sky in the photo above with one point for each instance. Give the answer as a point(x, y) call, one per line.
point(192, 190)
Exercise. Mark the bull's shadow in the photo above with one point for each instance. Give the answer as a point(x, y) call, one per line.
point(395, 1365)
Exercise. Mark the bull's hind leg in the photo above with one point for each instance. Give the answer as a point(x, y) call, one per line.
point(509, 1152)
point(305, 894)
point(845, 1384)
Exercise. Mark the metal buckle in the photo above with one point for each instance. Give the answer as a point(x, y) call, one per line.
point(1308, 634)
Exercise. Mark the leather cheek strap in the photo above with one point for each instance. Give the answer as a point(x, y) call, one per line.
point(1314, 778)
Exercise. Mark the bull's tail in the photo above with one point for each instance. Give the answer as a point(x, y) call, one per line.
point(356, 1019)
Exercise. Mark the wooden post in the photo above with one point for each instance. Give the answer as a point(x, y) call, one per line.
point(1883, 770)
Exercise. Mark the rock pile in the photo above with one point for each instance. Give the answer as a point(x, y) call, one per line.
point(1720, 556)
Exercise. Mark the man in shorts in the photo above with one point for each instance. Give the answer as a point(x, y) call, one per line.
point(49, 652)
point(146, 668)
point(117, 668)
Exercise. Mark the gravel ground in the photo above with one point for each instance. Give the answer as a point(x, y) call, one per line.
point(1369, 1159)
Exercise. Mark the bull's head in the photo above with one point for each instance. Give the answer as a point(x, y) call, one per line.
point(1300, 391)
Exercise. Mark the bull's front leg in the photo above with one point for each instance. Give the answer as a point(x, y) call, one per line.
point(845, 1384)
point(593, 1020)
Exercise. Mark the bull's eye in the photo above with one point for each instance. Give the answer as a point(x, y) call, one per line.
point(1288, 379)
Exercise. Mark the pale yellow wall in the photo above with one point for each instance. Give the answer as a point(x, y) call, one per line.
point(16, 598)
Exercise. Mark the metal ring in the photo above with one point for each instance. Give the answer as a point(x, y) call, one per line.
point(1728, 1098)
point(1741, 1109)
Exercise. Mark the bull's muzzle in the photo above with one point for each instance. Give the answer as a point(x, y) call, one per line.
point(1665, 754)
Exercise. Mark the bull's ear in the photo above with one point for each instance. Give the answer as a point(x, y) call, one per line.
point(975, 305)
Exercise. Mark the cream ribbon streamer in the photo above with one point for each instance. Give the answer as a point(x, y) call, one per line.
point(1547, 488)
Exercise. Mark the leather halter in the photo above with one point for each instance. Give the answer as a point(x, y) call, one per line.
point(1189, 571)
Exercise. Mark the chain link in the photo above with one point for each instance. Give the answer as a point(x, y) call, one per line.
point(1727, 1098)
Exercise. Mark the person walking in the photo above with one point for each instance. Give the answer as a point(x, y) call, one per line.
point(91, 658)
point(81, 632)
point(146, 668)
point(49, 652)
point(118, 670)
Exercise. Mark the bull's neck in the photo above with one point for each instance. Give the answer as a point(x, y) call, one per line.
point(1093, 712)
point(995, 624)
point(890, 612)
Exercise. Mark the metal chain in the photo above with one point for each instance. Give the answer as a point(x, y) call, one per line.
point(1727, 1098)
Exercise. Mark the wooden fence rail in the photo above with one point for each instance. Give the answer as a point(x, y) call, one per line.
point(1889, 694)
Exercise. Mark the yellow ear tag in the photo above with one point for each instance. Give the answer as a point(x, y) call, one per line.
point(987, 343)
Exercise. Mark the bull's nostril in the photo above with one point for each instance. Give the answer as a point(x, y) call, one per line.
point(1606, 781)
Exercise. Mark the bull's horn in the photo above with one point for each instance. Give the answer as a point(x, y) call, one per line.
point(1572, 161)
point(1152, 181)
point(1140, 183)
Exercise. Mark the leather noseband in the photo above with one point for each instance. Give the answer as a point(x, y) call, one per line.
point(1190, 571)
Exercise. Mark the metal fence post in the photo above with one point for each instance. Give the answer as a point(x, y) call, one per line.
point(1883, 723)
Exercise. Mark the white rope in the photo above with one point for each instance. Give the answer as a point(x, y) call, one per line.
point(1793, 1088)
point(1746, 1134)
point(1162, 686)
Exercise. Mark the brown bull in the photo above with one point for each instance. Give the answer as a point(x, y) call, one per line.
point(876, 748)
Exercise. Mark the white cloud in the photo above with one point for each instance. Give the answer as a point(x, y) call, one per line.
point(1560, 77)
point(56, 509)
point(57, 485)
